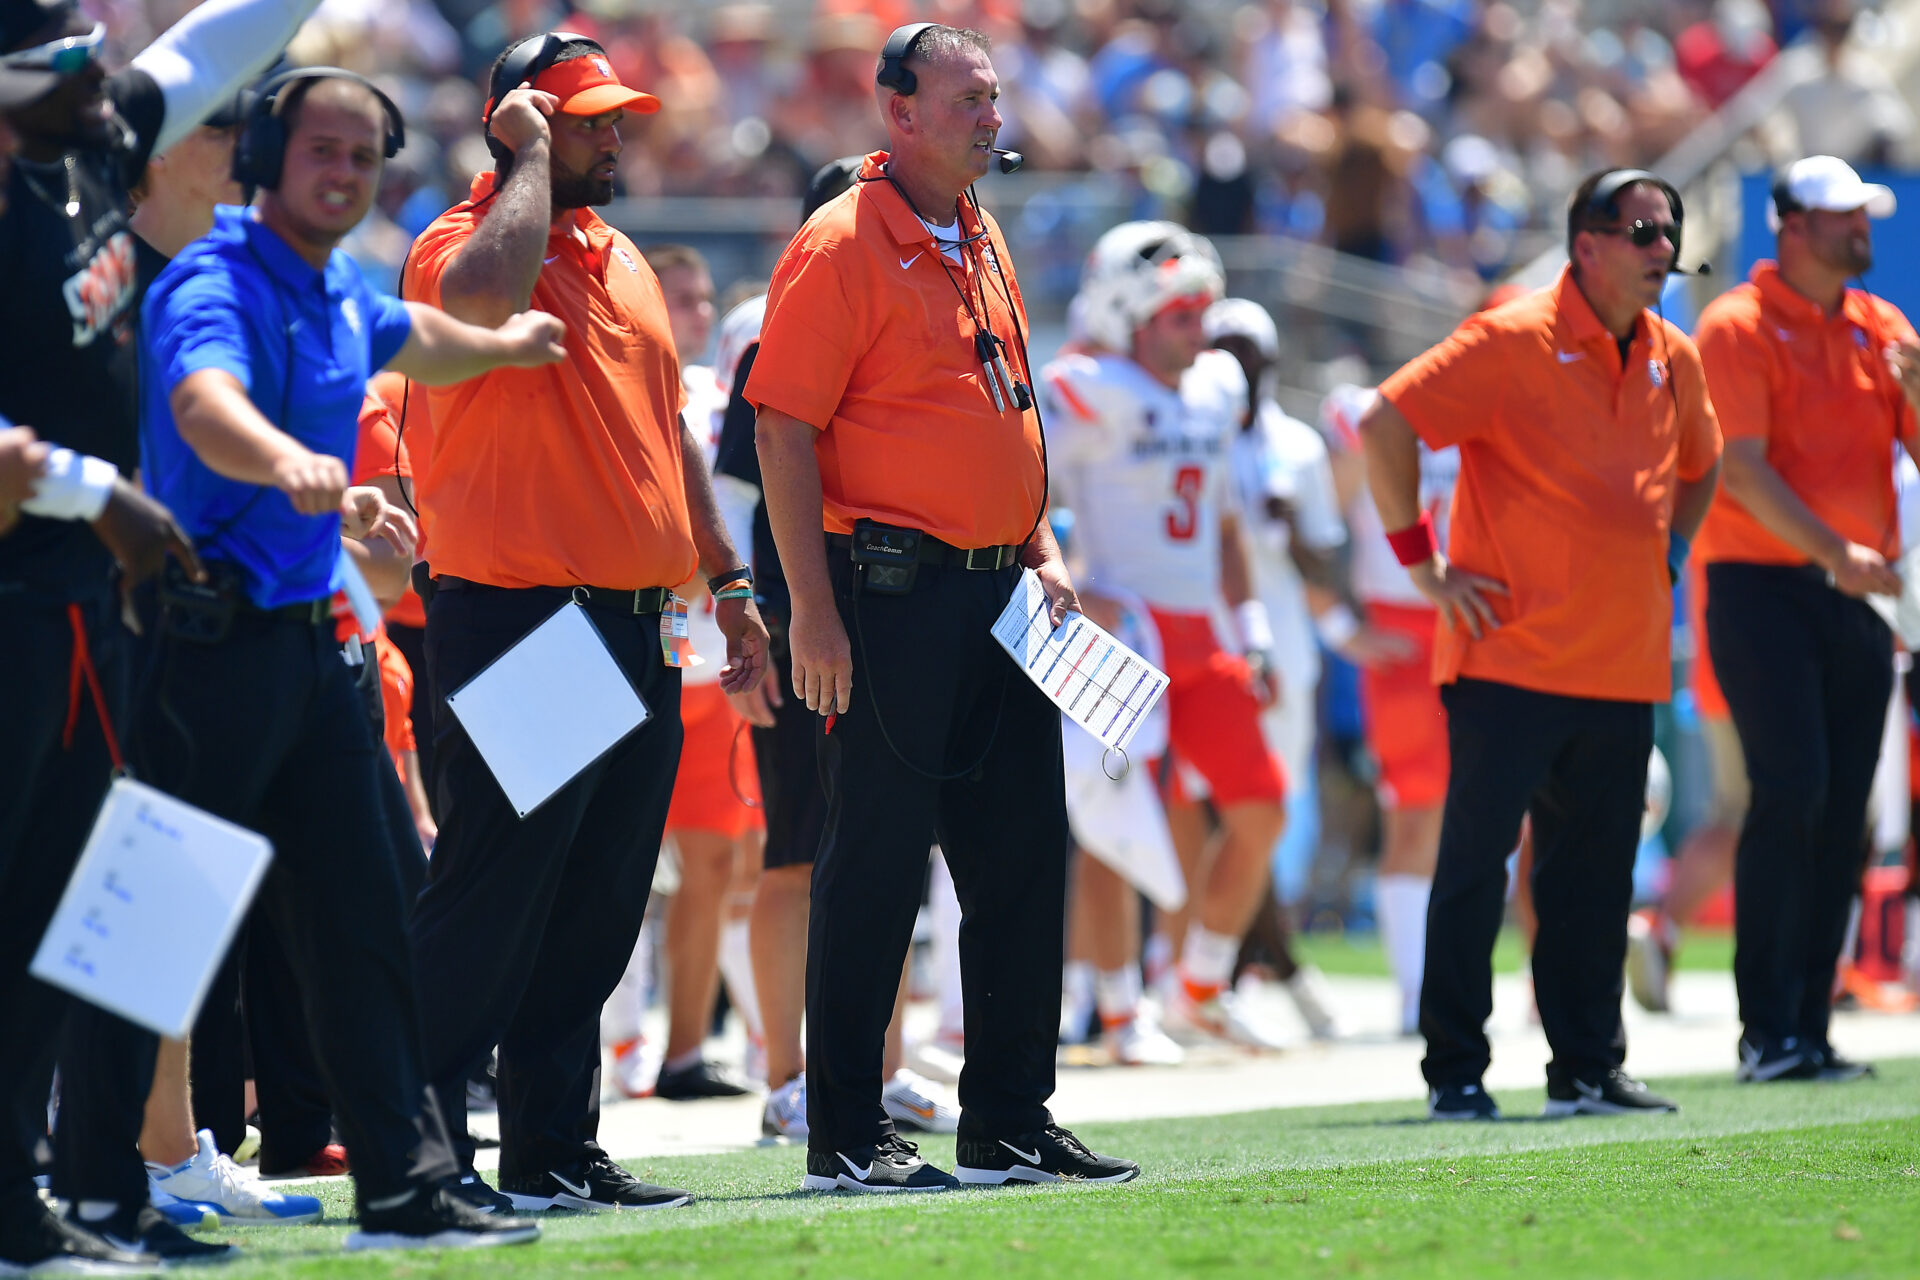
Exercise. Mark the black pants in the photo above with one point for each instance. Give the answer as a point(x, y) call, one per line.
point(526, 925)
point(1807, 672)
point(1578, 766)
point(267, 729)
point(412, 644)
point(788, 758)
point(927, 674)
point(50, 792)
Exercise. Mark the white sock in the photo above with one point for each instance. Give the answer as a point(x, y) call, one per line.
point(97, 1210)
point(1207, 959)
point(1400, 904)
point(1077, 984)
point(681, 1061)
point(620, 1016)
point(736, 970)
point(1118, 994)
point(945, 906)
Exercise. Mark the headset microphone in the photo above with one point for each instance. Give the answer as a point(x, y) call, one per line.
point(1009, 160)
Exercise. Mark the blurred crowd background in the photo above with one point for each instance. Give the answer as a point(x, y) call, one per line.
point(1366, 167)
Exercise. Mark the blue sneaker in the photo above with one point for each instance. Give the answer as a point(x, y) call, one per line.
point(214, 1184)
point(187, 1217)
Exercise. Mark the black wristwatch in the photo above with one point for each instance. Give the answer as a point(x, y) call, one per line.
point(731, 576)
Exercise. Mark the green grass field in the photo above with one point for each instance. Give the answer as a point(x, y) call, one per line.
point(1782, 1180)
point(1360, 955)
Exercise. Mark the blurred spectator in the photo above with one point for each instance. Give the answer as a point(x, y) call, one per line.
point(1851, 108)
point(1719, 54)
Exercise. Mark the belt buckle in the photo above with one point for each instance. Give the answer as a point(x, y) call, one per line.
point(983, 564)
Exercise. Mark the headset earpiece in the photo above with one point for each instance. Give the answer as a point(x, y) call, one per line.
point(1605, 202)
point(893, 73)
point(523, 65)
point(260, 152)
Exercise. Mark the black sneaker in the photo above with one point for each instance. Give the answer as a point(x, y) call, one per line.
point(1763, 1059)
point(1614, 1094)
point(436, 1217)
point(701, 1080)
point(1831, 1067)
point(146, 1230)
point(596, 1183)
point(1051, 1154)
point(39, 1240)
point(473, 1189)
point(1461, 1102)
point(891, 1164)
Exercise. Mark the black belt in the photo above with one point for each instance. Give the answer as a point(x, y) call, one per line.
point(934, 551)
point(627, 600)
point(307, 612)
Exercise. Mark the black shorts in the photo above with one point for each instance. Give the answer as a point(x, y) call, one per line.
point(791, 789)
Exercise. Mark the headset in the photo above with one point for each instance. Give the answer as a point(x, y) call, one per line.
point(1605, 203)
point(893, 73)
point(260, 152)
point(525, 64)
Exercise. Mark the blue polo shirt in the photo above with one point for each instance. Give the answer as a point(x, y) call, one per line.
point(303, 343)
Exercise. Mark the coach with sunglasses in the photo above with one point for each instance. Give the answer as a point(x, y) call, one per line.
point(578, 482)
point(67, 328)
point(1588, 456)
point(1807, 375)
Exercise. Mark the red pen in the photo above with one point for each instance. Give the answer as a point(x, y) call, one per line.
point(832, 717)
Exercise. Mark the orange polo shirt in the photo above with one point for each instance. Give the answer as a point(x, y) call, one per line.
point(868, 340)
point(569, 474)
point(1568, 465)
point(1816, 388)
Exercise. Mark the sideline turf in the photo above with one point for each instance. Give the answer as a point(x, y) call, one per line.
point(1360, 955)
point(1798, 1180)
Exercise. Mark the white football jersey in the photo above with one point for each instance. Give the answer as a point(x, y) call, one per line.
point(1285, 459)
point(1377, 575)
point(1147, 471)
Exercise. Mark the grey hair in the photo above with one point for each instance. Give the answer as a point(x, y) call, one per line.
point(937, 44)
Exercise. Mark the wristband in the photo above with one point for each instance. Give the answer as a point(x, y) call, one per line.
point(719, 580)
point(1256, 630)
point(1678, 549)
point(1337, 627)
point(1414, 544)
point(73, 487)
point(734, 593)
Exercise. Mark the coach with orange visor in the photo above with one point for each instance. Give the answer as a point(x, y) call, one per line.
point(1808, 376)
point(905, 481)
point(576, 483)
point(1588, 456)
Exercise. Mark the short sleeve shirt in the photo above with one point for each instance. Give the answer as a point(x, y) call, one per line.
point(1569, 462)
point(1815, 388)
point(869, 338)
point(302, 342)
point(569, 474)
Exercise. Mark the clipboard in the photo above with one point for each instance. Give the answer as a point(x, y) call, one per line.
point(547, 708)
point(151, 908)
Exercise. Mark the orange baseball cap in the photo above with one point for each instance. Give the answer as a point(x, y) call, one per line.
point(587, 87)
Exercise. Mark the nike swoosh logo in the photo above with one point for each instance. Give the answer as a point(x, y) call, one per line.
point(907, 262)
point(1586, 1090)
point(554, 258)
point(925, 1113)
point(1568, 357)
point(583, 1190)
point(858, 1172)
point(1031, 1157)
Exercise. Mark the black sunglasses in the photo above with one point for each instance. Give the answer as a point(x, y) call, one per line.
point(1642, 234)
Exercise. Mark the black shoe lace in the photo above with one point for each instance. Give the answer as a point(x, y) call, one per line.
point(1066, 1139)
point(897, 1149)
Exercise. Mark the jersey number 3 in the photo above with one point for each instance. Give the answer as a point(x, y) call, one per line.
point(1183, 521)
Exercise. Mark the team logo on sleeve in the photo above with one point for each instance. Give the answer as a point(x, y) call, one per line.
point(1655, 373)
point(626, 259)
point(350, 312)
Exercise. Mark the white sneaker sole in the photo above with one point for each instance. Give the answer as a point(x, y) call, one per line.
point(366, 1240)
point(539, 1204)
point(1561, 1108)
point(226, 1219)
point(846, 1182)
point(1023, 1173)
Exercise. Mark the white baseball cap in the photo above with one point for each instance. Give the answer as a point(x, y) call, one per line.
point(1829, 183)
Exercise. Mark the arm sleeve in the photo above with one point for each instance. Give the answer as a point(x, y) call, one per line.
point(736, 455)
point(807, 351)
point(200, 324)
point(205, 58)
point(428, 260)
point(379, 451)
point(1699, 428)
point(1451, 392)
point(388, 324)
point(1739, 383)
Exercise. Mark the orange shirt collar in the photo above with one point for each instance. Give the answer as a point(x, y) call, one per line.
point(901, 221)
point(1583, 326)
point(589, 222)
point(1797, 308)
